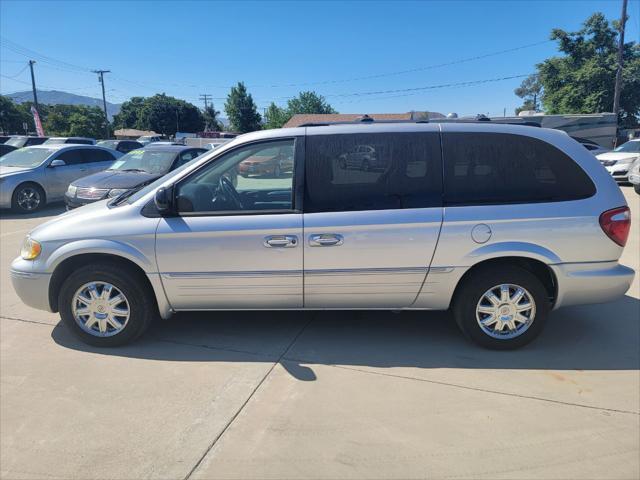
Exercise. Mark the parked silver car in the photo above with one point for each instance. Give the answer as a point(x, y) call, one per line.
point(32, 176)
point(482, 219)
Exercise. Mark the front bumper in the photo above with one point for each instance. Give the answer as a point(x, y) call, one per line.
point(73, 202)
point(585, 283)
point(620, 173)
point(31, 287)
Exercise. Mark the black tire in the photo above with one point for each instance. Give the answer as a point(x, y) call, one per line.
point(636, 187)
point(34, 189)
point(141, 302)
point(473, 288)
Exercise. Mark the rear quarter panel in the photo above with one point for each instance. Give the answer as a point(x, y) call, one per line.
point(554, 232)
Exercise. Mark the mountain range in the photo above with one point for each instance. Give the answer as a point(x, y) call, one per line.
point(54, 97)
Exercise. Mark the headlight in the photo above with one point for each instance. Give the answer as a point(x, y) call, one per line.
point(71, 191)
point(30, 249)
point(116, 191)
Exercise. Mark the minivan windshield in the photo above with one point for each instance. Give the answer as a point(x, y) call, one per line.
point(145, 161)
point(26, 157)
point(629, 147)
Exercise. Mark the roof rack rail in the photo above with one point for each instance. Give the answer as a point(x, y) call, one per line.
point(371, 120)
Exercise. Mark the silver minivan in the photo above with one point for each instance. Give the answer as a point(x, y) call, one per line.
point(30, 177)
point(480, 219)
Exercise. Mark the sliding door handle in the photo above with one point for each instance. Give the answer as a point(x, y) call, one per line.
point(326, 240)
point(280, 241)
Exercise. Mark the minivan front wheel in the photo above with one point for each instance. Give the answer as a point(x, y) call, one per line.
point(106, 306)
point(501, 308)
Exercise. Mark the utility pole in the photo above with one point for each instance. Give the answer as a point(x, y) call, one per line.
point(104, 100)
point(33, 84)
point(618, 86)
point(206, 97)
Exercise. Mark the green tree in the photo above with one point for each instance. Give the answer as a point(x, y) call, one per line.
point(241, 110)
point(167, 115)
point(211, 119)
point(305, 102)
point(529, 90)
point(13, 117)
point(308, 102)
point(129, 114)
point(275, 117)
point(582, 80)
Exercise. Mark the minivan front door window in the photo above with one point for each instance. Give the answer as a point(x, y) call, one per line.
point(252, 178)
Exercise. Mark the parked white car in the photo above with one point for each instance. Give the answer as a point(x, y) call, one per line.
point(634, 175)
point(619, 161)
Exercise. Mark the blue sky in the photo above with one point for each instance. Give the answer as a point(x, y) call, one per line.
point(280, 48)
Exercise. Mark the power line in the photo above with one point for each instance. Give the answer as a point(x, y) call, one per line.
point(70, 67)
point(19, 73)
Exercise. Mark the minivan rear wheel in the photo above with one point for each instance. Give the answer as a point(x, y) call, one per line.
point(106, 306)
point(501, 308)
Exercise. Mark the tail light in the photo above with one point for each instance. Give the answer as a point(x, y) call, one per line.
point(616, 224)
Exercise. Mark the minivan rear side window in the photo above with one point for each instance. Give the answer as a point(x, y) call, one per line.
point(501, 168)
point(354, 172)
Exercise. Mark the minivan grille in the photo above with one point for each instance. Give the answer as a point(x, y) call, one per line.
point(91, 193)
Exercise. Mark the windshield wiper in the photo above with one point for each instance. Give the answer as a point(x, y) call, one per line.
point(132, 170)
point(123, 196)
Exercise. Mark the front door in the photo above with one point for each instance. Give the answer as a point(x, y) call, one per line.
point(370, 230)
point(237, 241)
point(59, 178)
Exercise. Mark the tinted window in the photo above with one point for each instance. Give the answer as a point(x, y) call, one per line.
point(71, 157)
point(91, 156)
point(372, 172)
point(494, 168)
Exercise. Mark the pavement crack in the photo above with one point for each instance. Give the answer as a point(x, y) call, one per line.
point(248, 399)
point(27, 321)
point(211, 347)
point(476, 389)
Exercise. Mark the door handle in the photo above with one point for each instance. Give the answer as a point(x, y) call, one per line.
point(280, 241)
point(326, 240)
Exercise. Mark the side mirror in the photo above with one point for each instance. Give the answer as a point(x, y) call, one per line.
point(164, 200)
point(57, 163)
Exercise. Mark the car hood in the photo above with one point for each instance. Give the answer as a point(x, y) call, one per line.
point(115, 179)
point(6, 171)
point(619, 156)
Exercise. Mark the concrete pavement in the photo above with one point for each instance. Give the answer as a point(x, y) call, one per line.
point(319, 395)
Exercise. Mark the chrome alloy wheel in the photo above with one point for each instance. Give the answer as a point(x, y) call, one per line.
point(100, 309)
point(28, 199)
point(505, 311)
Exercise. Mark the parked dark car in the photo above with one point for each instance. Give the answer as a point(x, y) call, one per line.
point(134, 170)
point(20, 141)
point(74, 140)
point(124, 146)
point(4, 149)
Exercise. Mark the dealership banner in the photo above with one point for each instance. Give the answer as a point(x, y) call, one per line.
point(36, 120)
